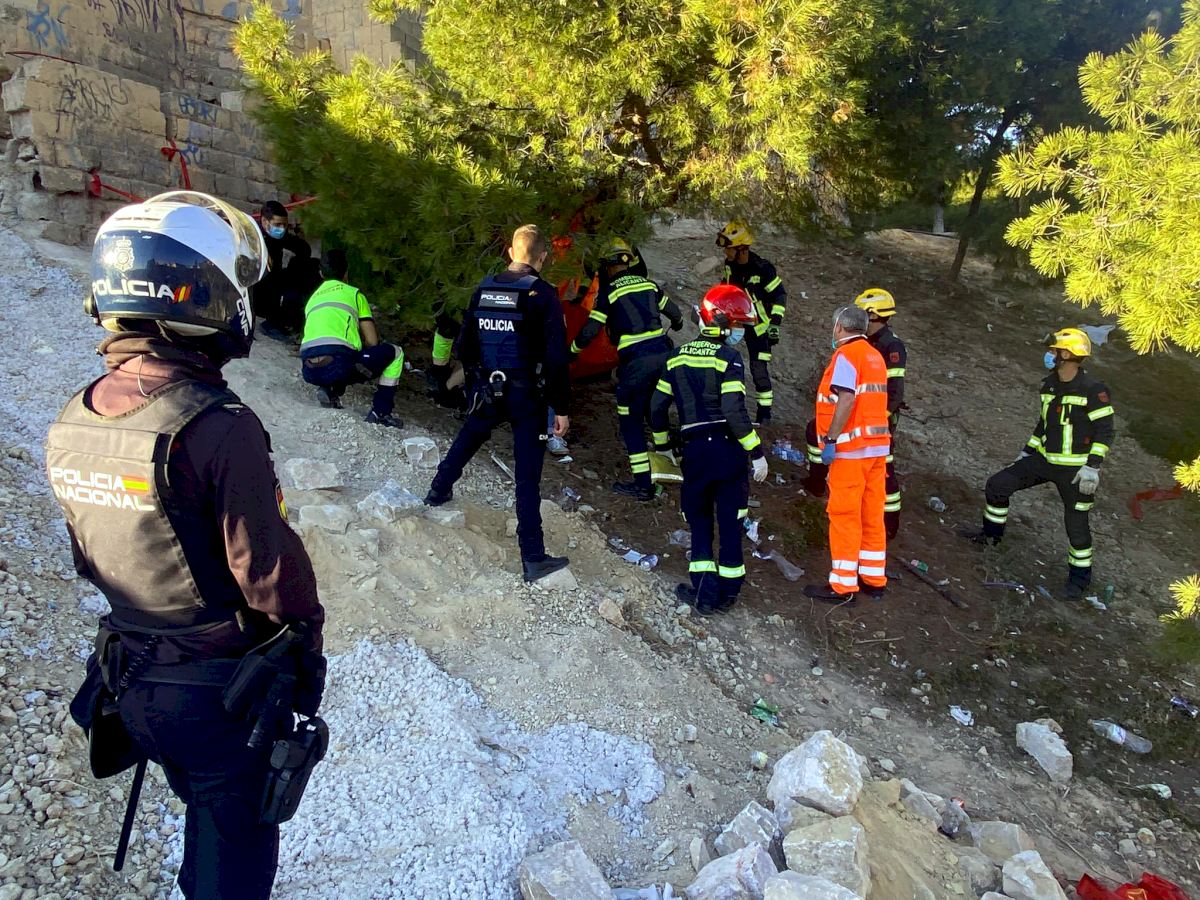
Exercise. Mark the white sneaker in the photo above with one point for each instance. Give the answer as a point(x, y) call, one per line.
point(557, 445)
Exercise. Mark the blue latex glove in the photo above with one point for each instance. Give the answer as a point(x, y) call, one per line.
point(828, 452)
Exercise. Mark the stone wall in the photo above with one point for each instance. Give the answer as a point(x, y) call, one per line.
point(119, 94)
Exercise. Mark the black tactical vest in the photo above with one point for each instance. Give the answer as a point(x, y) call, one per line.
point(110, 476)
point(500, 319)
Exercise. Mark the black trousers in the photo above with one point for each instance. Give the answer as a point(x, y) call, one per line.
point(1030, 472)
point(279, 298)
point(716, 488)
point(818, 472)
point(637, 377)
point(348, 366)
point(227, 854)
point(759, 348)
point(528, 419)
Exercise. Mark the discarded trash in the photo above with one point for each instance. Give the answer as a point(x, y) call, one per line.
point(759, 760)
point(1097, 603)
point(936, 504)
point(663, 471)
point(783, 449)
point(786, 569)
point(680, 537)
point(955, 818)
point(1135, 504)
point(617, 543)
point(962, 716)
point(765, 712)
point(751, 526)
point(503, 468)
point(1010, 585)
point(1109, 593)
point(1045, 592)
point(1185, 706)
point(1151, 887)
point(563, 460)
point(1097, 334)
point(571, 494)
point(779, 479)
point(1119, 735)
point(645, 560)
point(920, 566)
point(1161, 791)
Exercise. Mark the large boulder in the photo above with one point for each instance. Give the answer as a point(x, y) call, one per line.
point(753, 825)
point(313, 475)
point(791, 814)
point(1000, 840)
point(739, 876)
point(823, 772)
point(835, 849)
point(389, 502)
point(981, 872)
point(562, 872)
point(326, 516)
point(794, 886)
point(1026, 877)
point(1040, 741)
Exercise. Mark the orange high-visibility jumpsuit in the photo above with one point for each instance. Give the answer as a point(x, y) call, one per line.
point(857, 491)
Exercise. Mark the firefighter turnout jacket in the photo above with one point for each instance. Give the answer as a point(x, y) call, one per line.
point(630, 307)
point(895, 357)
point(1075, 427)
point(706, 379)
point(759, 279)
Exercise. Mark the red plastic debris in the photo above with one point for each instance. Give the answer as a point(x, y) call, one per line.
point(1135, 504)
point(1151, 887)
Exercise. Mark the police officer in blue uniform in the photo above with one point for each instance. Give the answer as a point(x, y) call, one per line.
point(513, 347)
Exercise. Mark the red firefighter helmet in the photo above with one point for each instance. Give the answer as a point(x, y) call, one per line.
point(723, 307)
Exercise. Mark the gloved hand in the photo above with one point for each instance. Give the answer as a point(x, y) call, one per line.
point(828, 452)
point(760, 468)
point(1088, 480)
point(772, 334)
point(677, 326)
point(669, 455)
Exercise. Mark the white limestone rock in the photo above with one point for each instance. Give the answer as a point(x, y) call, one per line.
point(1000, 840)
point(389, 503)
point(1050, 751)
point(835, 849)
point(823, 772)
point(562, 872)
point(313, 475)
point(1026, 877)
point(794, 886)
point(422, 452)
point(446, 517)
point(755, 824)
point(327, 517)
point(740, 876)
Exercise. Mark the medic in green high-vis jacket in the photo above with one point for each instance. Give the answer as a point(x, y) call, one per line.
point(341, 345)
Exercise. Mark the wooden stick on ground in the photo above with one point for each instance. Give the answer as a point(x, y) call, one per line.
point(932, 582)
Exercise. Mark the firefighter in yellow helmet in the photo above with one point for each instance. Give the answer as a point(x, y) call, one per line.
point(757, 277)
point(1070, 440)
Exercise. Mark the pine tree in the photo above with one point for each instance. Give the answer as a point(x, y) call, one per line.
point(1119, 214)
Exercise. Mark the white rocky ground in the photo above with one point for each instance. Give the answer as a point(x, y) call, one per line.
point(474, 719)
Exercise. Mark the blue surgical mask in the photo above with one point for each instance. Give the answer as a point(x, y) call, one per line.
point(276, 231)
point(735, 336)
point(1050, 360)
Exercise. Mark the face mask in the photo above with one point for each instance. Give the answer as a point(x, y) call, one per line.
point(276, 231)
point(1050, 360)
point(735, 336)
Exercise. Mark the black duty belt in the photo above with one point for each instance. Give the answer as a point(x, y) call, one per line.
point(215, 672)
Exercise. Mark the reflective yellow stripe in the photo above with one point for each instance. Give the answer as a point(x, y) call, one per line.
point(598, 316)
point(575, 348)
point(1100, 413)
point(702, 565)
point(750, 441)
point(778, 310)
point(628, 340)
point(732, 387)
point(997, 510)
point(697, 362)
point(1065, 459)
point(636, 288)
point(891, 507)
point(662, 304)
point(1084, 507)
point(895, 373)
point(1035, 442)
point(661, 438)
point(765, 356)
point(1072, 400)
point(1100, 450)
point(731, 571)
point(622, 410)
point(664, 386)
point(996, 520)
point(742, 513)
point(773, 284)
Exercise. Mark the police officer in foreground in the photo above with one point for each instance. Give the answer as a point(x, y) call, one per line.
point(880, 306)
point(707, 382)
point(1069, 443)
point(175, 515)
point(757, 277)
point(513, 347)
point(631, 308)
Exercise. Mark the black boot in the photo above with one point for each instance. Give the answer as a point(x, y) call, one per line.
point(328, 399)
point(763, 416)
point(1073, 590)
point(437, 498)
point(533, 569)
point(826, 594)
point(386, 419)
point(977, 535)
point(635, 490)
point(875, 593)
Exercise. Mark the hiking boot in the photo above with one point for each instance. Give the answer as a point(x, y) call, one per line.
point(328, 399)
point(826, 594)
point(540, 568)
point(635, 490)
point(386, 419)
point(1073, 590)
point(977, 535)
point(556, 446)
point(437, 498)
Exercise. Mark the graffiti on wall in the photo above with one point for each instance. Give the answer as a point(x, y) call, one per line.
point(45, 27)
point(152, 16)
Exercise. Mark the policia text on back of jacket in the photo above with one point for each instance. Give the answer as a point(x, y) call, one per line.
point(174, 513)
point(513, 347)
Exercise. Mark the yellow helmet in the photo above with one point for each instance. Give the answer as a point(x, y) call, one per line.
point(619, 253)
point(1072, 340)
point(878, 301)
point(736, 234)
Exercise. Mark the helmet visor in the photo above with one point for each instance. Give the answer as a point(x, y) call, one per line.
point(251, 249)
point(723, 240)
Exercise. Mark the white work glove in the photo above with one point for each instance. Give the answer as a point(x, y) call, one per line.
point(1088, 480)
point(760, 468)
point(669, 455)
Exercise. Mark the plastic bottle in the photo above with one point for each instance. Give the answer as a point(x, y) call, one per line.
point(1119, 735)
point(786, 569)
